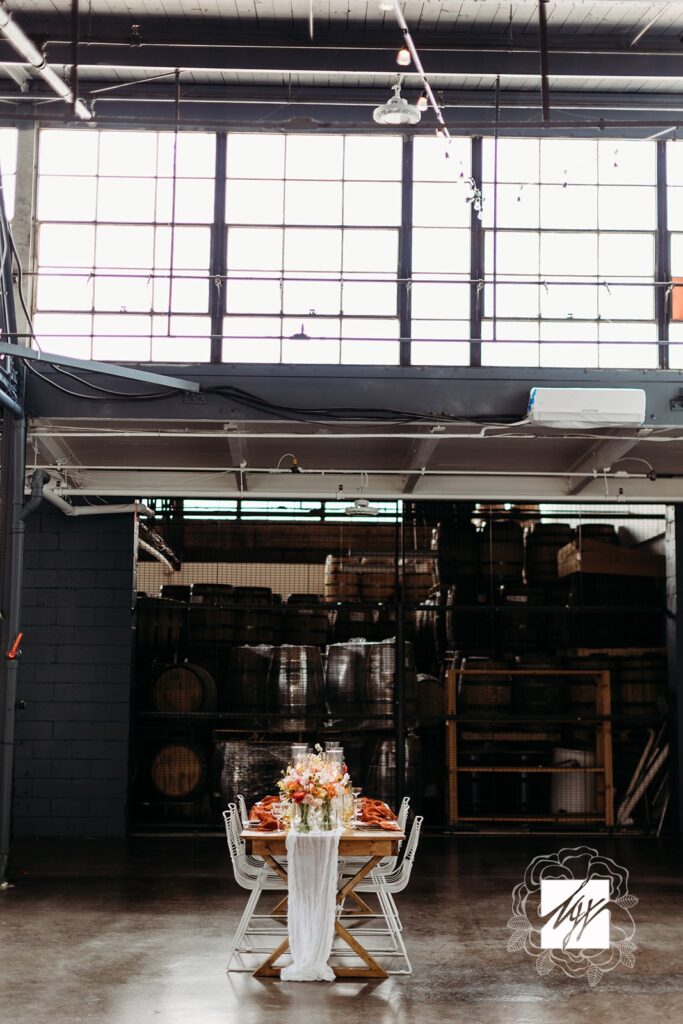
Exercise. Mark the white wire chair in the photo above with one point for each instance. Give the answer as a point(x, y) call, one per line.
point(256, 882)
point(384, 886)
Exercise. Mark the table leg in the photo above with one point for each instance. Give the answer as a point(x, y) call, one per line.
point(372, 970)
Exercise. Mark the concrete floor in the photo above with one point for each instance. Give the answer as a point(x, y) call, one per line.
point(126, 933)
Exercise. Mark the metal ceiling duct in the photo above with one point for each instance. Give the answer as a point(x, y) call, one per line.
point(27, 49)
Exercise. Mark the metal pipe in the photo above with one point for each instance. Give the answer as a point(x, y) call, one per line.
point(543, 54)
point(27, 49)
point(38, 480)
point(144, 546)
point(68, 509)
point(75, 40)
point(650, 24)
point(8, 402)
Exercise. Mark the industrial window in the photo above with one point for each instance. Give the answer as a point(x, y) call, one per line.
point(124, 244)
point(569, 268)
point(312, 249)
point(8, 166)
point(440, 291)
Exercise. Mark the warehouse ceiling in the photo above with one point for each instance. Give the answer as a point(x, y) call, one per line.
point(448, 434)
point(271, 62)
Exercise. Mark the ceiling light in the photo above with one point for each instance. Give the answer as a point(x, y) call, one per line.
point(423, 101)
point(403, 57)
point(396, 110)
point(361, 507)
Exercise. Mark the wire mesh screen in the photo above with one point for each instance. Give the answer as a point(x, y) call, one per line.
point(515, 658)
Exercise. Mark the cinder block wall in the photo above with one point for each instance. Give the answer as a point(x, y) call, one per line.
point(71, 758)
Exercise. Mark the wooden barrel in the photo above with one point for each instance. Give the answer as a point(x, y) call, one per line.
point(639, 685)
point(456, 544)
point(418, 577)
point(159, 627)
point(378, 578)
point(210, 628)
point(177, 592)
point(214, 594)
point(342, 578)
point(501, 554)
point(296, 687)
point(543, 541)
point(380, 674)
point(539, 694)
point(178, 771)
point(184, 688)
point(381, 778)
point(305, 620)
point(248, 679)
point(520, 620)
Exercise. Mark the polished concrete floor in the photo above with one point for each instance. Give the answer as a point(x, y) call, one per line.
point(136, 932)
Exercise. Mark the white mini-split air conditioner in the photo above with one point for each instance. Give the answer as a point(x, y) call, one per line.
point(584, 408)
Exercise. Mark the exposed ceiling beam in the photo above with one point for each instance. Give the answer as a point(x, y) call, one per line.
point(601, 456)
point(361, 59)
point(419, 457)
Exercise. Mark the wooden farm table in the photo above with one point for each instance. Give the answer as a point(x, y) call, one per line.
point(375, 844)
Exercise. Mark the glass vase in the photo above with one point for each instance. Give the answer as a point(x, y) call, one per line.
point(301, 822)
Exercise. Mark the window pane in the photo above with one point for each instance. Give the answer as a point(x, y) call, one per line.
point(570, 206)
point(675, 208)
point(520, 298)
point(123, 246)
point(440, 349)
point(261, 296)
point(66, 245)
point(189, 248)
point(315, 156)
point(124, 152)
point(577, 351)
point(68, 151)
point(312, 249)
point(622, 253)
point(631, 355)
point(66, 198)
point(122, 337)
point(367, 298)
point(126, 294)
point(251, 339)
point(627, 206)
point(72, 291)
point(437, 205)
point(676, 343)
point(518, 206)
point(193, 202)
point(438, 160)
point(254, 248)
point(441, 300)
point(517, 252)
point(378, 158)
point(369, 342)
point(65, 333)
point(569, 160)
point(135, 196)
point(255, 202)
point(8, 151)
point(630, 301)
point(370, 251)
point(516, 344)
point(518, 160)
point(441, 251)
point(195, 154)
point(570, 301)
point(181, 339)
point(313, 202)
point(569, 253)
point(321, 344)
point(304, 297)
point(627, 163)
point(256, 156)
point(372, 203)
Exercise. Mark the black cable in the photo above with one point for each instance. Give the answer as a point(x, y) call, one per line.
point(114, 394)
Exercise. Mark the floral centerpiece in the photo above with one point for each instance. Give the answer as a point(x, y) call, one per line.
point(313, 790)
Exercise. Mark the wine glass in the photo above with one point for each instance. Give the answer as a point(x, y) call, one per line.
point(278, 811)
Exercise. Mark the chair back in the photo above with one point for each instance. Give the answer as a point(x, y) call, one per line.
point(244, 813)
point(402, 816)
point(236, 848)
point(401, 877)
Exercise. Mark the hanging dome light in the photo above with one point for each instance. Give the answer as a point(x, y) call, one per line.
point(396, 110)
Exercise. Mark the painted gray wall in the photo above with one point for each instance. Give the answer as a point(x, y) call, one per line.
point(71, 758)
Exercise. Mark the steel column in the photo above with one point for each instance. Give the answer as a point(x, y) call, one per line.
point(476, 261)
point(219, 250)
point(674, 640)
point(662, 259)
point(405, 254)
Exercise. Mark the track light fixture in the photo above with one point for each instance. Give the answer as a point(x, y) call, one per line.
point(403, 58)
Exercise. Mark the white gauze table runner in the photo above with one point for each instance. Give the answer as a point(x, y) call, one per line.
point(312, 869)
